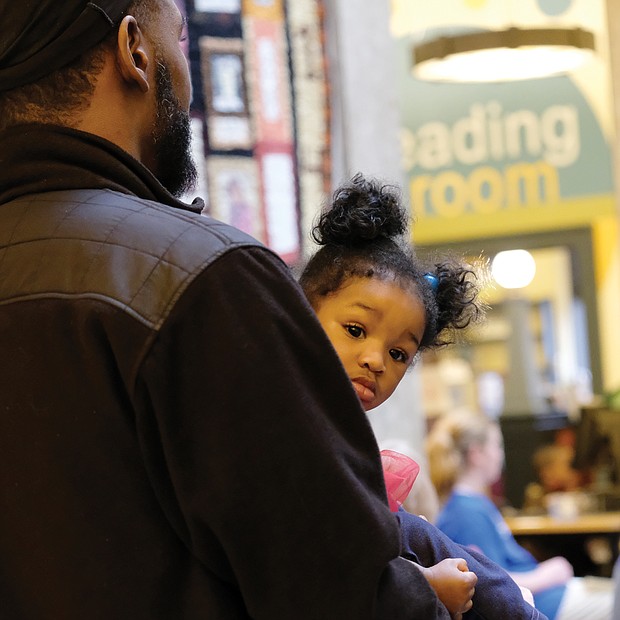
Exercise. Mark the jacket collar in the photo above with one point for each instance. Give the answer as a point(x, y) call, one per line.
point(39, 158)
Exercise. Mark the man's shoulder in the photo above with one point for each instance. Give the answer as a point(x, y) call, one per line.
point(147, 220)
point(135, 226)
point(136, 254)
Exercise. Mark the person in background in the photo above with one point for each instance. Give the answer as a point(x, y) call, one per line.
point(381, 306)
point(466, 456)
point(177, 437)
point(553, 464)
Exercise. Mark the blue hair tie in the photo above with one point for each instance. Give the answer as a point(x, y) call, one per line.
point(433, 280)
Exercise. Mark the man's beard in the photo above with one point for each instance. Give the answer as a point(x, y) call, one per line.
point(175, 167)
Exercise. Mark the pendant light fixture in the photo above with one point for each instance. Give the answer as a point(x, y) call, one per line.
point(502, 55)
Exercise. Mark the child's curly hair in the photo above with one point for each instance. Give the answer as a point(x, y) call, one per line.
point(363, 234)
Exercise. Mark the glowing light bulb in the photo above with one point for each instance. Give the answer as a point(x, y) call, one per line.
point(513, 268)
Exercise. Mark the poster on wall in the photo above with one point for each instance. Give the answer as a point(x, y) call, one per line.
point(277, 172)
point(225, 93)
point(308, 67)
point(235, 194)
point(269, 80)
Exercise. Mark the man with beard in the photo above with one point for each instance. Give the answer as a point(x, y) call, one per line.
point(177, 437)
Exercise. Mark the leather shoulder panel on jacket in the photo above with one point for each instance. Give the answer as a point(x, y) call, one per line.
point(136, 254)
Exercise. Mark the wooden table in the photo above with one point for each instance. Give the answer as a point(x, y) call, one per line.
point(593, 523)
point(546, 536)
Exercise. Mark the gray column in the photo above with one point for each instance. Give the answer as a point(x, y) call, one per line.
point(523, 394)
point(362, 72)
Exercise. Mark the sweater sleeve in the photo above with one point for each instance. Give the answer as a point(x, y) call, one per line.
point(262, 457)
point(496, 595)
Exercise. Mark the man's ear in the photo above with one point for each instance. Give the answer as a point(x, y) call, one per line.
point(132, 53)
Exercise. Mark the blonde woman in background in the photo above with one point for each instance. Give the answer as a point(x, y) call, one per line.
point(466, 456)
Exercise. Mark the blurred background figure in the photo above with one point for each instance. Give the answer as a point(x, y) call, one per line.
point(555, 473)
point(554, 467)
point(466, 456)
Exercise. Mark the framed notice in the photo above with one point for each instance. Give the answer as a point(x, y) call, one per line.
point(278, 182)
point(269, 80)
point(225, 93)
point(234, 193)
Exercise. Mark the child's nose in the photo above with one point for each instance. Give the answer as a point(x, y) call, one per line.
point(373, 360)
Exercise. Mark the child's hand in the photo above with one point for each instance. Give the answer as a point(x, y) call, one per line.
point(454, 585)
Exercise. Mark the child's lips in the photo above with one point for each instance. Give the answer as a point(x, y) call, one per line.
point(365, 391)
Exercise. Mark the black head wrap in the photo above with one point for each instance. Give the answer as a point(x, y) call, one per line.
point(40, 36)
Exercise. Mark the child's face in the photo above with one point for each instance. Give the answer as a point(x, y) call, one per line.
point(376, 328)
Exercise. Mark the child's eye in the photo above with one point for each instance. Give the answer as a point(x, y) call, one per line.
point(399, 356)
point(354, 330)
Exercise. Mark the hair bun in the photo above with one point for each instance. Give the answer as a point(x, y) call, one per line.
point(362, 211)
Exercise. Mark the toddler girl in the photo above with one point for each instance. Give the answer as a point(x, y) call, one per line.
point(380, 307)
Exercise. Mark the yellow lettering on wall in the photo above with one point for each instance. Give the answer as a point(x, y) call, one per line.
point(492, 200)
point(532, 183)
point(449, 195)
point(485, 190)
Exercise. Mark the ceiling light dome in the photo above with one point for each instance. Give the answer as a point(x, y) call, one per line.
point(502, 55)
